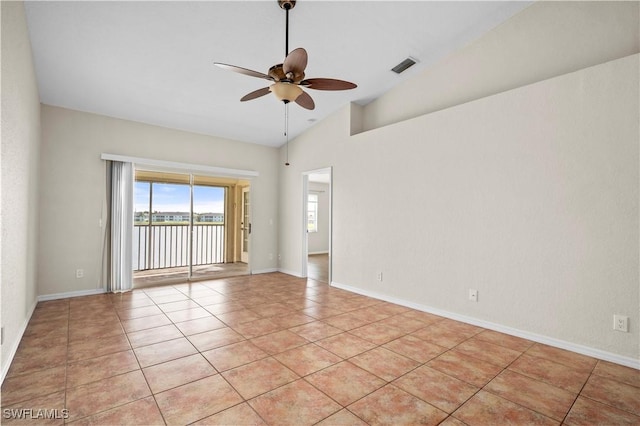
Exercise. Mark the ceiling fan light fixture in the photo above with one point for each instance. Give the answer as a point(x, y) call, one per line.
point(286, 92)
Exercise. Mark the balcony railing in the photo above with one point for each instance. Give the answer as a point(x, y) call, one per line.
point(167, 246)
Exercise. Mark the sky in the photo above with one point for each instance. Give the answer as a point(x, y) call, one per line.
point(169, 197)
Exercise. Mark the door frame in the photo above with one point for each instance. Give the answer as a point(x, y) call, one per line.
point(243, 226)
point(305, 239)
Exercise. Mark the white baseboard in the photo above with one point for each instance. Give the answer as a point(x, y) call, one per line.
point(16, 343)
point(79, 293)
point(562, 344)
point(295, 274)
point(264, 271)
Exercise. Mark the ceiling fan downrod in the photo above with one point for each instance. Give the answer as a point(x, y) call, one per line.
point(287, 5)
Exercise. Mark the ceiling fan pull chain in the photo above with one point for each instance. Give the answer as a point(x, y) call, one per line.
point(286, 121)
point(286, 131)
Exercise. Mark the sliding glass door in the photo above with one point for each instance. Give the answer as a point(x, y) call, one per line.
point(179, 227)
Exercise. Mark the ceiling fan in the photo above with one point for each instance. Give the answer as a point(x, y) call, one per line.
point(288, 77)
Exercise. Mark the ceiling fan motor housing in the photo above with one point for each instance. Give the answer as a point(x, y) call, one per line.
point(287, 4)
point(277, 73)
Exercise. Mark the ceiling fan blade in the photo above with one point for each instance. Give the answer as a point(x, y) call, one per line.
point(244, 71)
point(255, 94)
point(327, 84)
point(295, 62)
point(305, 101)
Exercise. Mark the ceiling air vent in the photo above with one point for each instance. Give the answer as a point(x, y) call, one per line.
point(402, 66)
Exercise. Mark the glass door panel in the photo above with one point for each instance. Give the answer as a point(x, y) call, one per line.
point(170, 207)
point(141, 208)
point(209, 242)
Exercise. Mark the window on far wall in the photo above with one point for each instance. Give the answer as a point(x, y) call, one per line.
point(312, 213)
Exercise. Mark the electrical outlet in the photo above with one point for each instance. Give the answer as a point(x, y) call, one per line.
point(473, 295)
point(621, 323)
point(379, 276)
point(79, 273)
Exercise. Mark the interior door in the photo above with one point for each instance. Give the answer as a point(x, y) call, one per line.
point(245, 225)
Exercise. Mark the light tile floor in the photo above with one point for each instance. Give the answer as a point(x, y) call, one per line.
point(274, 349)
point(318, 267)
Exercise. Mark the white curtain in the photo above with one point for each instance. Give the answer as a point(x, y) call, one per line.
point(121, 277)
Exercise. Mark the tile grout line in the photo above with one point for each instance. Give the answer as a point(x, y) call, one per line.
point(579, 393)
point(244, 401)
point(115, 375)
point(66, 363)
point(499, 396)
point(155, 401)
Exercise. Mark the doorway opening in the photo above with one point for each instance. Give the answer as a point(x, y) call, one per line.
point(317, 221)
point(188, 227)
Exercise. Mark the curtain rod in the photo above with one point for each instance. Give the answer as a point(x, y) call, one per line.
point(172, 165)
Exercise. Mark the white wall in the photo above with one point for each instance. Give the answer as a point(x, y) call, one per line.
point(529, 196)
point(19, 177)
point(307, 153)
point(73, 188)
point(318, 242)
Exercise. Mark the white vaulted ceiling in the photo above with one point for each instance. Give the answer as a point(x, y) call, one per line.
point(152, 62)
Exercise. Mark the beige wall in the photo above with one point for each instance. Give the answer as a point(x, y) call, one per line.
point(547, 39)
point(529, 196)
point(19, 177)
point(73, 188)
